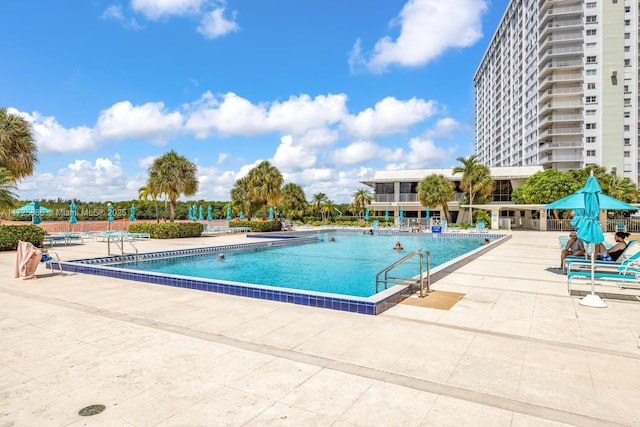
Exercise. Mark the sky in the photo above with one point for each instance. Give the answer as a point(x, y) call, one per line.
point(327, 91)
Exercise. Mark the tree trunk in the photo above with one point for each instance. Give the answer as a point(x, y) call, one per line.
point(172, 205)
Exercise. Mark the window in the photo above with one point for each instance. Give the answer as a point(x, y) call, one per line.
point(408, 187)
point(591, 139)
point(591, 72)
point(591, 19)
point(592, 32)
point(626, 128)
point(592, 59)
point(627, 114)
point(627, 49)
point(627, 9)
point(591, 125)
point(627, 154)
point(591, 5)
point(627, 141)
point(592, 99)
point(591, 85)
point(627, 102)
point(627, 36)
point(591, 45)
point(590, 112)
point(627, 22)
point(591, 153)
point(384, 188)
point(627, 62)
point(626, 88)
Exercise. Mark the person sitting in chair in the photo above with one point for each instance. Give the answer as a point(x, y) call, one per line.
point(614, 252)
point(573, 247)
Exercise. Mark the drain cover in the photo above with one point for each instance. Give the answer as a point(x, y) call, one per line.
point(91, 410)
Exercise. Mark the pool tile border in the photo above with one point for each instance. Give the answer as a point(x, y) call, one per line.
point(373, 305)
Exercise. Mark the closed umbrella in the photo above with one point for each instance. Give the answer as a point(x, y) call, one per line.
point(201, 216)
point(36, 213)
point(270, 213)
point(578, 216)
point(110, 218)
point(590, 231)
point(386, 215)
point(228, 213)
point(132, 214)
point(401, 218)
point(366, 214)
point(209, 216)
point(72, 215)
point(241, 215)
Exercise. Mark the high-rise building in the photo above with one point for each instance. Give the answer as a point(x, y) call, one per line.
point(558, 87)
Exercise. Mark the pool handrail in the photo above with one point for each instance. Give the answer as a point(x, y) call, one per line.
point(387, 279)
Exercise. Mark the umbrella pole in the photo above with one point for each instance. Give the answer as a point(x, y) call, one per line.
point(593, 300)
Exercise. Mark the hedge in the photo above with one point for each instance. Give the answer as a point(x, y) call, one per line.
point(11, 234)
point(168, 230)
point(258, 226)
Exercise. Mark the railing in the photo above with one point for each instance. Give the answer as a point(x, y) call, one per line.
point(403, 280)
point(120, 245)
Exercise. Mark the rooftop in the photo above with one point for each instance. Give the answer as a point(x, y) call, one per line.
point(509, 172)
point(516, 350)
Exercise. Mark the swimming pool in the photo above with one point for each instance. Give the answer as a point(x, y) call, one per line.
point(283, 291)
point(346, 265)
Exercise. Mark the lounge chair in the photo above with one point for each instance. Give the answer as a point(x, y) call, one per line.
point(584, 265)
point(621, 226)
point(623, 256)
point(625, 277)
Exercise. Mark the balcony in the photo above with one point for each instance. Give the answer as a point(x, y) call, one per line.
point(560, 25)
point(557, 105)
point(548, 146)
point(551, 132)
point(557, 12)
point(558, 78)
point(555, 52)
point(550, 67)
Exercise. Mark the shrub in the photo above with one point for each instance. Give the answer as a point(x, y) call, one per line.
point(168, 230)
point(11, 234)
point(258, 226)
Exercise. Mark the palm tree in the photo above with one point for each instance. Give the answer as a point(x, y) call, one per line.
point(18, 150)
point(327, 209)
point(145, 193)
point(265, 181)
point(294, 201)
point(361, 198)
point(240, 196)
point(621, 188)
point(476, 178)
point(173, 175)
point(319, 200)
point(7, 186)
point(436, 190)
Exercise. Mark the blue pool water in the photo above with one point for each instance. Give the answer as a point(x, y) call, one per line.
point(345, 266)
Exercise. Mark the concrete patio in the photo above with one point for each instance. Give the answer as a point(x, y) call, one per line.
point(515, 351)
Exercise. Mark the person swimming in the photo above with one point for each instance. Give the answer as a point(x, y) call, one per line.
point(398, 246)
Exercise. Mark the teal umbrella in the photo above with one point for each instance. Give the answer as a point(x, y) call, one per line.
point(132, 214)
point(590, 231)
point(270, 213)
point(209, 216)
point(386, 215)
point(110, 213)
point(577, 201)
point(189, 215)
point(228, 213)
point(241, 215)
point(401, 218)
point(72, 214)
point(200, 216)
point(30, 209)
point(428, 214)
point(576, 222)
point(36, 213)
point(366, 214)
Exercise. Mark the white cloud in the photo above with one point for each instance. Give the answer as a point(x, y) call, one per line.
point(156, 9)
point(51, 137)
point(318, 138)
point(427, 29)
point(444, 128)
point(146, 162)
point(389, 116)
point(114, 12)
point(214, 24)
point(149, 121)
point(291, 157)
point(102, 179)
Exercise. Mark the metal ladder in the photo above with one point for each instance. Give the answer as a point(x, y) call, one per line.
point(422, 253)
point(120, 246)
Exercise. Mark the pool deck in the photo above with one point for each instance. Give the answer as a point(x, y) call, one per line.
point(515, 351)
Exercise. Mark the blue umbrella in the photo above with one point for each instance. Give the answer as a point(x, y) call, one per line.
point(200, 216)
point(190, 214)
point(577, 201)
point(366, 214)
point(576, 222)
point(241, 215)
point(195, 213)
point(72, 214)
point(270, 213)
point(428, 215)
point(209, 217)
point(386, 215)
point(401, 218)
point(110, 212)
point(132, 215)
point(36, 213)
point(228, 213)
point(590, 231)
point(30, 209)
